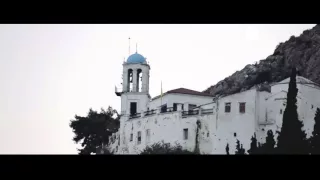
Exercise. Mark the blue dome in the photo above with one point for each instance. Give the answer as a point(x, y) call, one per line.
point(136, 58)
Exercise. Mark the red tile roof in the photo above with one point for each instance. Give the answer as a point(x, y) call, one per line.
point(185, 91)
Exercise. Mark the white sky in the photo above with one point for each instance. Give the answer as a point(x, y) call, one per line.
point(49, 73)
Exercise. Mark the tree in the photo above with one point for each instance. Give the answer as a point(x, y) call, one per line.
point(253, 146)
point(269, 146)
point(239, 149)
point(315, 139)
point(165, 148)
point(93, 131)
point(292, 139)
point(227, 149)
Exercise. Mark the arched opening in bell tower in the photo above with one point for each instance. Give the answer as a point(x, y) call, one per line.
point(130, 80)
point(139, 80)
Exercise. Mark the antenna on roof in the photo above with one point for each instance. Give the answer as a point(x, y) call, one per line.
point(136, 47)
point(129, 45)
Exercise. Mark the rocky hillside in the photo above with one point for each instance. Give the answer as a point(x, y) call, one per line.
point(303, 52)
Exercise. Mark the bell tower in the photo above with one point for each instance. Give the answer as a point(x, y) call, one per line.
point(135, 85)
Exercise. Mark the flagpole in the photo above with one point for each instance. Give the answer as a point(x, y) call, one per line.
point(161, 95)
point(129, 46)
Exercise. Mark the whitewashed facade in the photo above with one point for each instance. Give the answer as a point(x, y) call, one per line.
point(220, 120)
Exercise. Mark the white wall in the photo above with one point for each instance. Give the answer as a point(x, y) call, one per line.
point(273, 120)
point(243, 124)
point(167, 127)
point(310, 97)
point(142, 100)
point(307, 96)
point(279, 87)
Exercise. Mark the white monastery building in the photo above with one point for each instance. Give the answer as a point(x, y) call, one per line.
point(198, 120)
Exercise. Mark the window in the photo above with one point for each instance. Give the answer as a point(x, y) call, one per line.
point(280, 111)
point(175, 106)
point(147, 135)
point(133, 108)
point(185, 134)
point(227, 107)
point(131, 137)
point(139, 137)
point(242, 107)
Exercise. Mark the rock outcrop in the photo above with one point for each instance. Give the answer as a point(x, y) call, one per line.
point(303, 52)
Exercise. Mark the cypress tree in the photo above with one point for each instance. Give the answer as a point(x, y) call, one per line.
point(227, 149)
point(269, 146)
point(239, 148)
point(253, 146)
point(315, 139)
point(292, 139)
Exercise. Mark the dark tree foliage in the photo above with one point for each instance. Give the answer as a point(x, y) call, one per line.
point(269, 146)
point(197, 148)
point(292, 139)
point(227, 149)
point(93, 131)
point(315, 139)
point(253, 145)
point(239, 149)
point(104, 151)
point(165, 148)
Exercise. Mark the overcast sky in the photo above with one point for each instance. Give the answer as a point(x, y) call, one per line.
point(49, 73)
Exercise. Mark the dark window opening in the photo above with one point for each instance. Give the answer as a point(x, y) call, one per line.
point(175, 106)
point(185, 134)
point(280, 111)
point(139, 137)
point(227, 107)
point(311, 106)
point(133, 108)
point(242, 107)
point(139, 81)
point(208, 134)
point(235, 134)
point(130, 80)
point(131, 137)
point(148, 135)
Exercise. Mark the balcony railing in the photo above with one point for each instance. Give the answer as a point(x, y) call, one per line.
point(207, 111)
point(149, 113)
point(268, 122)
point(190, 112)
point(166, 110)
point(137, 115)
